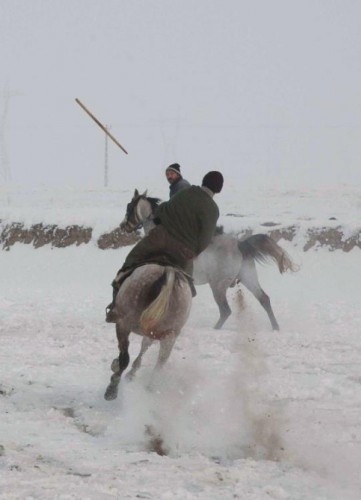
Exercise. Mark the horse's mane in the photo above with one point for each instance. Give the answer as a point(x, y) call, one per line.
point(154, 202)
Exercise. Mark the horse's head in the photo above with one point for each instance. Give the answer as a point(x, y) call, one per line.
point(139, 211)
point(133, 216)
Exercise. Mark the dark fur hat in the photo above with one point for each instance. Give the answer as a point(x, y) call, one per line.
point(213, 181)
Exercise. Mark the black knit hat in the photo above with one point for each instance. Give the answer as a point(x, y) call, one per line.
point(175, 167)
point(213, 181)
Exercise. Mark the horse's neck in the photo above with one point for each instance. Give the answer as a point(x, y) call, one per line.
point(148, 224)
point(146, 215)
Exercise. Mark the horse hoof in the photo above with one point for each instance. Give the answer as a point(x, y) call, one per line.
point(115, 365)
point(111, 393)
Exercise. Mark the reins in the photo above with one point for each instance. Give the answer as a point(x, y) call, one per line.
point(134, 220)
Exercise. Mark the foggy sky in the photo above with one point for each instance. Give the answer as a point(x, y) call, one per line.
point(267, 91)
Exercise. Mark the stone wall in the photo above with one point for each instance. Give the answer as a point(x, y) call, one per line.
point(39, 235)
point(314, 237)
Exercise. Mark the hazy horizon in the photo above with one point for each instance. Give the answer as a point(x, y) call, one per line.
point(266, 92)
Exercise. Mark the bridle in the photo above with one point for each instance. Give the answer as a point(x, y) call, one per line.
point(140, 212)
point(132, 220)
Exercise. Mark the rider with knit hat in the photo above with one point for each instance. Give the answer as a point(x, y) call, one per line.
point(175, 179)
point(190, 217)
point(185, 226)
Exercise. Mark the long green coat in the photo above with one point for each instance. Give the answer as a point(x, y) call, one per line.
point(187, 223)
point(190, 217)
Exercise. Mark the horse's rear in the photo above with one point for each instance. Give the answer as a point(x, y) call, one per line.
point(142, 289)
point(154, 301)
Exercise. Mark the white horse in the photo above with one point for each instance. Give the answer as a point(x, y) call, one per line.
point(224, 262)
point(154, 301)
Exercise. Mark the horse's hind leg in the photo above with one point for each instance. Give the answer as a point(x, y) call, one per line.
point(123, 344)
point(165, 348)
point(248, 276)
point(219, 290)
point(146, 343)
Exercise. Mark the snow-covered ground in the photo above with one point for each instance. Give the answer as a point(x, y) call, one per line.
point(241, 413)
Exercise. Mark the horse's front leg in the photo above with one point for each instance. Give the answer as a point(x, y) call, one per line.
point(123, 361)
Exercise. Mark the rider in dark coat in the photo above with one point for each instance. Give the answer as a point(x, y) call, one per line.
point(175, 179)
point(185, 226)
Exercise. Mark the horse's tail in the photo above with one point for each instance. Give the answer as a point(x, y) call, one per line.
point(261, 247)
point(156, 310)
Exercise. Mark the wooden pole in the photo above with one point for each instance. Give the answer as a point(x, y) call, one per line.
point(106, 162)
point(101, 125)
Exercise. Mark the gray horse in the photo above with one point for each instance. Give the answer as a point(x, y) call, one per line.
point(225, 262)
point(154, 301)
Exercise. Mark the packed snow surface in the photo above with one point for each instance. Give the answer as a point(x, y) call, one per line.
point(244, 412)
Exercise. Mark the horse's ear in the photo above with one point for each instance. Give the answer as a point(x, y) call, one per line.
point(145, 193)
point(136, 193)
